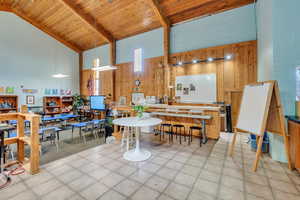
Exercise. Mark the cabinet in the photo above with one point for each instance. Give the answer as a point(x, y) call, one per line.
point(294, 132)
point(52, 105)
point(8, 103)
point(66, 104)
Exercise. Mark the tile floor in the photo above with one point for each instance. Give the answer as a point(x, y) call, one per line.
point(173, 172)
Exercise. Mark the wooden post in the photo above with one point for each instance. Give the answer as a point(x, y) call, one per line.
point(20, 134)
point(81, 73)
point(24, 109)
point(34, 141)
point(113, 62)
point(167, 70)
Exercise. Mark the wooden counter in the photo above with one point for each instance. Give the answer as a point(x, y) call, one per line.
point(213, 125)
point(294, 133)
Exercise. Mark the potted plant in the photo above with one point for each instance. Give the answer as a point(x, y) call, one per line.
point(78, 101)
point(140, 108)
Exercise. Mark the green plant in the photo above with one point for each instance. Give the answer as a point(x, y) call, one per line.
point(140, 109)
point(78, 101)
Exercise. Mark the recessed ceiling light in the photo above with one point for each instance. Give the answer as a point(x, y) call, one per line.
point(228, 57)
point(210, 59)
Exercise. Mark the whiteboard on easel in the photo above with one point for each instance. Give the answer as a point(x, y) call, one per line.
point(253, 108)
point(196, 88)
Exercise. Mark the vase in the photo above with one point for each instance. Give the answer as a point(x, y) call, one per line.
point(140, 115)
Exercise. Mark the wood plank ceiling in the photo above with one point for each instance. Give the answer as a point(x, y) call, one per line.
point(85, 24)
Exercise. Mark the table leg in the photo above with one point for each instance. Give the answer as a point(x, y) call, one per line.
point(137, 154)
point(137, 137)
point(204, 131)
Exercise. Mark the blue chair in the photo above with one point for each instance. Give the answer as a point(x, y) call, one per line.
point(80, 126)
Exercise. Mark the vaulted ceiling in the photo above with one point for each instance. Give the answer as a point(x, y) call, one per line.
point(85, 24)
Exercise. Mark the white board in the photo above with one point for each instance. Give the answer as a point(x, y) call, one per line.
point(201, 88)
point(252, 110)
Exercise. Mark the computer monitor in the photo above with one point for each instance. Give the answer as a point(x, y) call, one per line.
point(97, 103)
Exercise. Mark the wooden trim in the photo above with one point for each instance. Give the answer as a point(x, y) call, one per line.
point(45, 29)
point(112, 55)
point(166, 47)
point(158, 11)
point(80, 72)
point(112, 46)
point(87, 19)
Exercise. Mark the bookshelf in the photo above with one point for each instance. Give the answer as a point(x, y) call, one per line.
point(52, 105)
point(66, 104)
point(8, 103)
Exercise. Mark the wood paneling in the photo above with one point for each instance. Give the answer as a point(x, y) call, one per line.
point(294, 132)
point(86, 76)
point(232, 74)
point(85, 24)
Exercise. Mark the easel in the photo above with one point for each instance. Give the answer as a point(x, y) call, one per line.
point(273, 121)
point(33, 163)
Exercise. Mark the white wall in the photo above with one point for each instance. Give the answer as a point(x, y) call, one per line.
point(265, 39)
point(229, 27)
point(278, 55)
point(29, 57)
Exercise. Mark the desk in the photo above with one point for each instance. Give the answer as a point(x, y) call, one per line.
point(137, 154)
point(203, 119)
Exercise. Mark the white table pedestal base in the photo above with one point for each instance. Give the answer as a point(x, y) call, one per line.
point(137, 156)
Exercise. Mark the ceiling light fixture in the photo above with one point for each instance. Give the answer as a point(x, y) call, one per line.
point(228, 57)
point(104, 68)
point(210, 59)
point(59, 75)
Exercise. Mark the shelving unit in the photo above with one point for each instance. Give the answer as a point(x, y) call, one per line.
point(66, 104)
point(8, 103)
point(52, 105)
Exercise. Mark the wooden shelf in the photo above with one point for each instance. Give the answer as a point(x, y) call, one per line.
point(66, 101)
point(8, 108)
point(10, 99)
point(56, 108)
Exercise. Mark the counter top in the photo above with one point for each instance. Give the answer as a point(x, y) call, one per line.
point(166, 106)
point(293, 118)
point(182, 115)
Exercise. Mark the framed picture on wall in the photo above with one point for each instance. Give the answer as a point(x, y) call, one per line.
point(136, 97)
point(30, 99)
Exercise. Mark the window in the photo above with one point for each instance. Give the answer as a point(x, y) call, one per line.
point(97, 82)
point(138, 61)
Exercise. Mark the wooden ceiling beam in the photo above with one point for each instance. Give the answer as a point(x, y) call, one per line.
point(46, 30)
point(5, 7)
point(88, 19)
point(158, 12)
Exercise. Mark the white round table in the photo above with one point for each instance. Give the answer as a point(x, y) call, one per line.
point(137, 154)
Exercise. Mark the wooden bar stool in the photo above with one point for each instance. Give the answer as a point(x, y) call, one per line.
point(162, 131)
point(178, 131)
point(195, 128)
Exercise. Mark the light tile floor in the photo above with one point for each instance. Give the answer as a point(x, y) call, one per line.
point(173, 172)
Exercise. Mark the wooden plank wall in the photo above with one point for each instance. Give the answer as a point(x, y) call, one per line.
point(86, 74)
point(232, 75)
